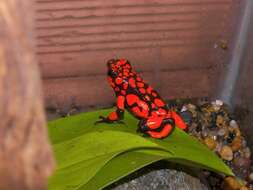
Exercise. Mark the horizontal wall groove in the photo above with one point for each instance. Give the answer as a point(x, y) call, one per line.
point(137, 39)
point(189, 20)
point(76, 33)
point(92, 75)
point(131, 14)
point(121, 47)
point(153, 5)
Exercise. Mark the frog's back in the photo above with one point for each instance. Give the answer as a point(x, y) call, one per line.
point(145, 92)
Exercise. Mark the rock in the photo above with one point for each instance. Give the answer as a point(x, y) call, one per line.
point(217, 105)
point(210, 143)
point(230, 183)
point(221, 132)
point(191, 106)
point(233, 124)
point(164, 179)
point(220, 122)
point(226, 153)
point(244, 188)
point(246, 152)
point(236, 144)
point(251, 177)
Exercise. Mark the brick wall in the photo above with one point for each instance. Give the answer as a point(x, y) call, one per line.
point(175, 44)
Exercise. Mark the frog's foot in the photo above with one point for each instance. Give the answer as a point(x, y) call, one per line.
point(103, 120)
point(166, 130)
point(178, 121)
point(172, 104)
point(145, 135)
point(108, 120)
point(121, 122)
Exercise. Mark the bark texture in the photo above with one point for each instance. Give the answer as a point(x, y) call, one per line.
point(25, 155)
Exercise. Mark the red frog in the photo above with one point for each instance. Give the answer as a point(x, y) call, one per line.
point(141, 100)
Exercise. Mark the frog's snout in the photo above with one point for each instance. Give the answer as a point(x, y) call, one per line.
point(111, 73)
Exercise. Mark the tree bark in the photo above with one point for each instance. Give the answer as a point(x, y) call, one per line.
point(25, 155)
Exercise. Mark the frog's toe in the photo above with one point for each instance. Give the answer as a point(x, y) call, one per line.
point(121, 122)
point(145, 135)
point(102, 120)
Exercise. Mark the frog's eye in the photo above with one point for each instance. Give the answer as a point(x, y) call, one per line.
point(112, 73)
point(110, 62)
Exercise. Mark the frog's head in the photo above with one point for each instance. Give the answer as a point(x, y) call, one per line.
point(118, 67)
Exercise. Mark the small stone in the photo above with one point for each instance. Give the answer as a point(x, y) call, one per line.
point(237, 132)
point(221, 132)
point(210, 143)
point(251, 177)
point(230, 137)
point(218, 102)
point(233, 124)
point(187, 117)
point(230, 183)
point(220, 122)
point(205, 133)
point(191, 107)
point(216, 108)
point(244, 143)
point(184, 108)
point(241, 162)
point(236, 144)
point(218, 147)
point(226, 153)
point(244, 188)
point(217, 105)
point(246, 152)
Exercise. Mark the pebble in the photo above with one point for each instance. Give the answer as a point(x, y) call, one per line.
point(230, 183)
point(251, 177)
point(246, 152)
point(241, 162)
point(220, 122)
point(221, 132)
point(210, 143)
point(219, 102)
point(226, 153)
point(233, 124)
point(184, 108)
point(236, 144)
point(191, 106)
point(244, 188)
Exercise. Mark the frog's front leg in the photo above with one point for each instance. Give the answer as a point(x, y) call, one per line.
point(116, 115)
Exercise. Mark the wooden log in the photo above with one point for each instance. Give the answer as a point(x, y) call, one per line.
point(25, 155)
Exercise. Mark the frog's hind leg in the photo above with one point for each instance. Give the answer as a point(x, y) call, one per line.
point(156, 127)
point(166, 130)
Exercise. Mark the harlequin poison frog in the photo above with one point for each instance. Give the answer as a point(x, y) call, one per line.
point(141, 100)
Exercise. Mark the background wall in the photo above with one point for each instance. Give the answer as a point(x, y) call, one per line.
point(179, 46)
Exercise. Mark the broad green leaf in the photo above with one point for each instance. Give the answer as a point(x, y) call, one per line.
point(81, 157)
point(83, 151)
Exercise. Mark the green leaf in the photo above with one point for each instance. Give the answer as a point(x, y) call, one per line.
point(86, 152)
point(115, 170)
